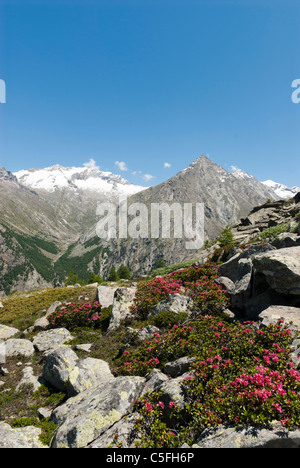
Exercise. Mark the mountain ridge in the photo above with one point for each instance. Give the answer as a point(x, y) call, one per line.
point(55, 209)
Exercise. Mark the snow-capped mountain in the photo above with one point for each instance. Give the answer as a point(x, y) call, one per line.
point(87, 178)
point(282, 191)
point(242, 175)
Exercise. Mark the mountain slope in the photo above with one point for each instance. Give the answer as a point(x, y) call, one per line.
point(282, 191)
point(48, 219)
point(30, 236)
point(226, 198)
point(42, 213)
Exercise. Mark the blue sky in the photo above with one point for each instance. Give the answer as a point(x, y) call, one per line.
point(144, 83)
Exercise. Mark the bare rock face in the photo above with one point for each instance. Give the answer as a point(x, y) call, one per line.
point(7, 332)
point(25, 437)
point(249, 437)
point(87, 373)
point(15, 347)
point(51, 339)
point(281, 269)
point(123, 300)
point(85, 417)
point(58, 367)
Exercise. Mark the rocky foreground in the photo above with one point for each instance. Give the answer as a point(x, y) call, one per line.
point(261, 281)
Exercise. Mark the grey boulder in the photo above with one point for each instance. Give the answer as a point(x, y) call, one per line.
point(85, 417)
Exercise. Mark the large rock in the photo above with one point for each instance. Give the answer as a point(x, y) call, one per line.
point(15, 347)
point(281, 268)
point(175, 303)
point(51, 339)
point(83, 418)
point(178, 367)
point(121, 311)
point(58, 367)
point(20, 438)
point(285, 240)
point(86, 373)
point(7, 332)
point(249, 437)
point(229, 268)
point(242, 284)
point(105, 295)
point(123, 434)
point(276, 312)
point(29, 379)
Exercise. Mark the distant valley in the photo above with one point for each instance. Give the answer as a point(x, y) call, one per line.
point(48, 219)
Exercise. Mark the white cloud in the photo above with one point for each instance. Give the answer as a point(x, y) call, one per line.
point(91, 164)
point(167, 165)
point(121, 165)
point(234, 168)
point(148, 177)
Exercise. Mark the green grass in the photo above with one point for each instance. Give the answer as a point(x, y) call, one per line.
point(22, 309)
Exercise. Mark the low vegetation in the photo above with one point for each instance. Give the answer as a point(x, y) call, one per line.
point(240, 374)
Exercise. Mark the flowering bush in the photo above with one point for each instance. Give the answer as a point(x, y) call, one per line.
point(208, 297)
point(73, 315)
point(150, 293)
point(151, 425)
point(241, 375)
point(195, 273)
point(156, 352)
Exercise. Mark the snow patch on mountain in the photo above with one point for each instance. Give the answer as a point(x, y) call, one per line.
point(282, 191)
point(87, 178)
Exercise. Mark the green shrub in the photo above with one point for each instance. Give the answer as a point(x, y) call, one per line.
point(73, 279)
point(113, 275)
point(123, 272)
point(226, 238)
point(272, 232)
point(95, 279)
point(167, 319)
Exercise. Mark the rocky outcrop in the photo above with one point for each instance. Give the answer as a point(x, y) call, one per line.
point(105, 295)
point(269, 215)
point(87, 373)
point(249, 437)
point(83, 418)
point(7, 332)
point(49, 340)
point(20, 438)
point(260, 280)
point(121, 310)
point(281, 269)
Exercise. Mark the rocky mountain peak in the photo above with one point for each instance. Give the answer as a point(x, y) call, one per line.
point(7, 175)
